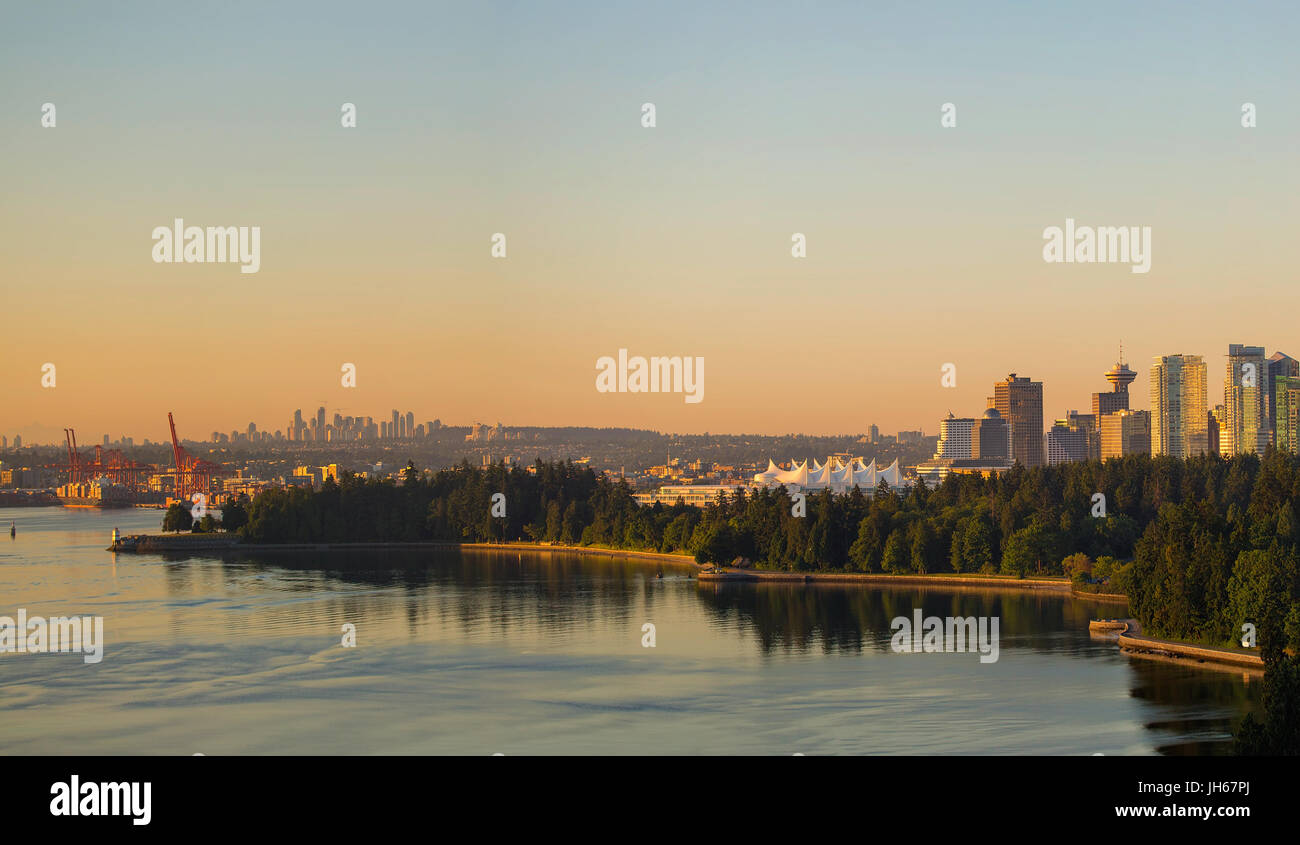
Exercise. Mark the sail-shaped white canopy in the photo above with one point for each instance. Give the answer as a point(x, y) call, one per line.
point(832, 475)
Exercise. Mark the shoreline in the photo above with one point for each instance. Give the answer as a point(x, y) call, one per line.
point(158, 543)
point(729, 575)
point(1129, 639)
point(183, 542)
point(1132, 641)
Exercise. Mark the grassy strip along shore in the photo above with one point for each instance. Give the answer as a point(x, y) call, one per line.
point(153, 543)
point(1130, 639)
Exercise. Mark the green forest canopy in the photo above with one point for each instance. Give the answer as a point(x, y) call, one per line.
point(1200, 546)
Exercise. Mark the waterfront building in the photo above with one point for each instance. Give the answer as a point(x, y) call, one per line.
point(698, 495)
point(834, 475)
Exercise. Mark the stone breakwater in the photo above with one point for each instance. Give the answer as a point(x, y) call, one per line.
point(1131, 640)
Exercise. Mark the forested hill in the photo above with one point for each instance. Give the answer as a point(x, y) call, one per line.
point(1200, 546)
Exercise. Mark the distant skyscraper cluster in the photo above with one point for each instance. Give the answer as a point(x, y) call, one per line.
point(342, 429)
point(1261, 407)
point(1258, 410)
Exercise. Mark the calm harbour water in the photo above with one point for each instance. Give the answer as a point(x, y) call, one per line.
point(482, 652)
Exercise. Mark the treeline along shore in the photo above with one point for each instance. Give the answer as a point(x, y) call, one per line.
point(1205, 548)
point(1200, 547)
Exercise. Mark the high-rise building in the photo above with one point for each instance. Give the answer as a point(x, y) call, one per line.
point(1278, 365)
point(955, 437)
point(1245, 392)
point(410, 423)
point(1286, 392)
point(1067, 442)
point(1020, 402)
point(1125, 433)
point(968, 446)
point(1090, 425)
point(1120, 377)
point(873, 434)
point(1178, 415)
point(392, 428)
point(1216, 426)
point(991, 437)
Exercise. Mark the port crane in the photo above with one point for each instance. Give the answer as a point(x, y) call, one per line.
point(193, 475)
point(107, 463)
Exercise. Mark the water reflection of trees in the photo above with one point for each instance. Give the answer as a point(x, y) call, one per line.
point(797, 617)
point(468, 590)
point(1199, 708)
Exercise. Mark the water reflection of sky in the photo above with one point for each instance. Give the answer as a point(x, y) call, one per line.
point(480, 652)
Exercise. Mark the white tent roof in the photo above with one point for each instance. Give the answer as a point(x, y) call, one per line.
point(833, 474)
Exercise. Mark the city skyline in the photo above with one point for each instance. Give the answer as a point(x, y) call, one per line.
point(924, 243)
point(1128, 385)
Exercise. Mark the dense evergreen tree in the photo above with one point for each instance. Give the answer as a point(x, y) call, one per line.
point(1201, 546)
point(177, 518)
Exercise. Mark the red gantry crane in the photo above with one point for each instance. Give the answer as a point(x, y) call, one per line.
point(108, 463)
point(74, 458)
point(193, 475)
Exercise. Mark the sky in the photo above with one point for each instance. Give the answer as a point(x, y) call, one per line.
point(924, 242)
